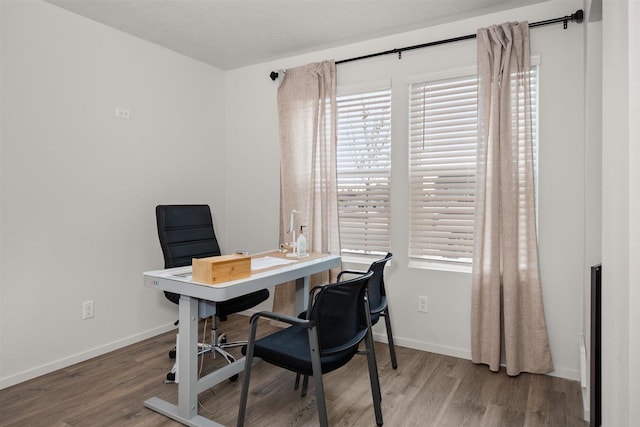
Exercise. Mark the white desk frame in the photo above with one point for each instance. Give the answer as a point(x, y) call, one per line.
point(194, 294)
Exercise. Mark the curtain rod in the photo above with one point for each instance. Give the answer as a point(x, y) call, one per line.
point(574, 17)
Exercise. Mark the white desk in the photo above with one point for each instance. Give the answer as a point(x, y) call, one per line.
point(195, 294)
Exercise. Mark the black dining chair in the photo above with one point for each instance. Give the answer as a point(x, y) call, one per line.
point(378, 305)
point(378, 300)
point(186, 232)
point(338, 321)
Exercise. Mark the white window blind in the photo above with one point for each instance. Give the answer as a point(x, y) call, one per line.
point(442, 162)
point(364, 170)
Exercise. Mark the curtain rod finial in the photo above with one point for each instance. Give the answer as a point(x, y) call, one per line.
point(273, 75)
point(575, 17)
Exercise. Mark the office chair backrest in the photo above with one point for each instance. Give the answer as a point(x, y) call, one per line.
point(339, 311)
point(185, 232)
point(376, 290)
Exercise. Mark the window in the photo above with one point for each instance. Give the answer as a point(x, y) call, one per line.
point(442, 162)
point(364, 170)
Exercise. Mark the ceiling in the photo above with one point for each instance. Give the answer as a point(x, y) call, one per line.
point(230, 34)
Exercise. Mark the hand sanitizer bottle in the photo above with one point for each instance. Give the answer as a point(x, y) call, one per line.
point(301, 245)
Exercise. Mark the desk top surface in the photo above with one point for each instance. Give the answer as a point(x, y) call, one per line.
point(178, 280)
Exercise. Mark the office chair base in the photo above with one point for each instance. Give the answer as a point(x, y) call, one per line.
point(220, 349)
point(206, 348)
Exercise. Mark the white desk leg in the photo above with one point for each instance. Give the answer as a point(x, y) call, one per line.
point(302, 294)
point(186, 412)
point(188, 360)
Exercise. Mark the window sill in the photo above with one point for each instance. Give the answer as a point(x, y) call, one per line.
point(360, 260)
point(440, 266)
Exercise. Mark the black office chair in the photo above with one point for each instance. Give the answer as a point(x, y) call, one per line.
point(338, 322)
point(186, 232)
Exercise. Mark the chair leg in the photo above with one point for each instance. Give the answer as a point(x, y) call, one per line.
point(214, 335)
point(373, 377)
point(392, 347)
point(228, 356)
point(317, 376)
point(244, 394)
point(297, 383)
point(305, 385)
point(232, 344)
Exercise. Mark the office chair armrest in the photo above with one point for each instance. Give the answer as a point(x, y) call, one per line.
point(295, 321)
point(357, 273)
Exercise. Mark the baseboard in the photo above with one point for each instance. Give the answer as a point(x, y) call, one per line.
point(566, 373)
point(560, 372)
point(423, 346)
point(81, 357)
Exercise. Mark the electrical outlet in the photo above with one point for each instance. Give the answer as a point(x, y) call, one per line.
point(87, 310)
point(423, 304)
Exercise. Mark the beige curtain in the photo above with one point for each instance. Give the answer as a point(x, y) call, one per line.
point(507, 313)
point(308, 183)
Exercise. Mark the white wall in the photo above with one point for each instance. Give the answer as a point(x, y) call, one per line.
point(79, 187)
point(621, 210)
point(253, 175)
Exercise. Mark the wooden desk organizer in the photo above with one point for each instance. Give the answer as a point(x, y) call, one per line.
point(217, 269)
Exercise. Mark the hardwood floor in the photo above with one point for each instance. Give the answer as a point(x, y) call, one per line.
point(426, 390)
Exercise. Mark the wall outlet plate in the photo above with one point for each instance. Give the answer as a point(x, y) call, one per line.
point(87, 310)
point(423, 304)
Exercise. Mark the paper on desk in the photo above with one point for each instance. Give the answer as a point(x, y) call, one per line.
point(268, 261)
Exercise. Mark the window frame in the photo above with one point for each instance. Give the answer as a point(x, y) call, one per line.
point(355, 89)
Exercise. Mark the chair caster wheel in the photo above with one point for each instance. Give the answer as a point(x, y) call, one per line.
point(172, 354)
point(171, 376)
point(234, 378)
